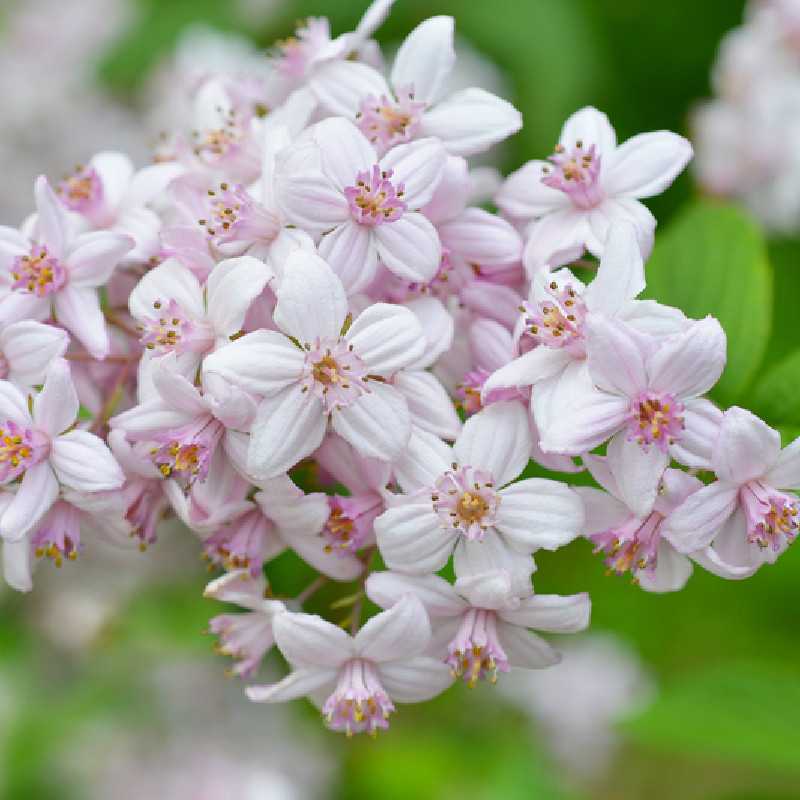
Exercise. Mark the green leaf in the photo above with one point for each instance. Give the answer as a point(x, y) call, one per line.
point(775, 396)
point(712, 260)
point(743, 711)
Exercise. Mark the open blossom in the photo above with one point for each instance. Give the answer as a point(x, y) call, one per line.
point(643, 395)
point(359, 676)
point(749, 515)
point(57, 271)
point(318, 367)
point(480, 626)
point(589, 185)
point(468, 122)
point(246, 636)
point(633, 542)
point(367, 206)
point(462, 499)
point(40, 448)
point(26, 350)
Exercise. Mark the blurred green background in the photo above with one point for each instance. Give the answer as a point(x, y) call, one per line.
point(725, 656)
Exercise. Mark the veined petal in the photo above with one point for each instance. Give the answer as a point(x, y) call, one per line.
point(82, 461)
point(352, 253)
point(397, 634)
point(170, 280)
point(616, 361)
point(437, 325)
point(524, 196)
point(672, 571)
point(415, 679)
point(340, 567)
point(307, 640)
point(637, 471)
point(701, 423)
point(411, 538)
point(552, 613)
point(429, 405)
point(527, 370)
point(645, 165)
point(231, 287)
point(377, 424)
point(471, 121)
point(603, 510)
point(746, 447)
point(51, 218)
point(296, 684)
point(262, 362)
point(482, 238)
point(288, 426)
point(620, 276)
point(56, 406)
point(497, 439)
point(785, 472)
point(419, 166)
point(410, 248)
point(340, 86)
point(311, 299)
point(30, 347)
point(17, 564)
point(537, 512)
point(591, 127)
point(424, 460)
point(524, 648)
point(387, 338)
point(695, 523)
point(440, 599)
point(78, 310)
point(493, 555)
point(344, 151)
point(93, 257)
point(37, 492)
point(308, 199)
point(426, 58)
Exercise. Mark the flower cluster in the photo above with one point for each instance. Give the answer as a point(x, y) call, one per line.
point(756, 80)
point(299, 329)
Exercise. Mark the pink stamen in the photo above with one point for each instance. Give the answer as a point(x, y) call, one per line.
point(359, 703)
point(772, 516)
point(82, 191)
point(559, 321)
point(59, 534)
point(20, 449)
point(475, 653)
point(656, 418)
point(466, 501)
point(234, 216)
point(173, 331)
point(576, 172)
point(633, 546)
point(38, 273)
point(244, 543)
point(387, 122)
point(185, 453)
point(375, 199)
point(334, 374)
point(349, 525)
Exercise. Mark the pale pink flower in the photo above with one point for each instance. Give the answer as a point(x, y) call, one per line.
point(40, 447)
point(410, 106)
point(634, 542)
point(462, 499)
point(589, 185)
point(356, 678)
point(58, 271)
point(643, 394)
point(177, 315)
point(481, 626)
point(26, 350)
point(318, 368)
point(366, 206)
point(280, 517)
point(248, 636)
point(749, 515)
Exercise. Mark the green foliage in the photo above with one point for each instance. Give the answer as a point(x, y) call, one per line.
point(744, 710)
point(775, 396)
point(712, 259)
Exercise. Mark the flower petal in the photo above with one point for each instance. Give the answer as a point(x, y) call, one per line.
point(746, 447)
point(170, 280)
point(387, 338)
point(423, 461)
point(51, 218)
point(440, 599)
point(30, 347)
point(429, 405)
point(410, 248)
point(36, 494)
point(419, 166)
point(672, 571)
point(525, 649)
point(296, 684)
point(411, 538)
point(78, 310)
point(552, 613)
point(523, 195)
point(497, 439)
point(620, 276)
point(637, 472)
point(415, 679)
point(537, 512)
point(378, 424)
point(471, 121)
point(344, 151)
point(17, 564)
point(397, 634)
point(56, 406)
point(591, 127)
point(82, 461)
point(701, 421)
point(695, 523)
point(93, 257)
point(785, 472)
point(527, 370)
point(231, 287)
point(351, 252)
point(288, 427)
point(340, 86)
point(311, 299)
point(425, 59)
point(615, 358)
point(307, 641)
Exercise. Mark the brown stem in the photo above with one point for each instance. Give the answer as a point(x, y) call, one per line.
point(312, 588)
point(113, 398)
point(114, 320)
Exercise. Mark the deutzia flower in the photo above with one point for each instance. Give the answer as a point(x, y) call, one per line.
point(57, 270)
point(482, 626)
point(39, 446)
point(318, 368)
point(589, 185)
point(27, 349)
point(358, 676)
point(748, 515)
point(462, 499)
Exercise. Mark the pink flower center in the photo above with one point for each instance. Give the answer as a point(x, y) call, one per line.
point(475, 652)
point(359, 703)
point(216, 144)
point(20, 449)
point(234, 216)
point(59, 534)
point(387, 122)
point(375, 199)
point(246, 637)
point(656, 418)
point(245, 543)
point(559, 321)
point(772, 517)
point(349, 525)
point(575, 172)
point(146, 504)
point(172, 330)
point(82, 191)
point(631, 547)
point(185, 453)
point(465, 500)
point(334, 374)
point(470, 388)
point(38, 273)
point(296, 53)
